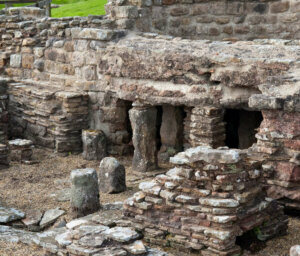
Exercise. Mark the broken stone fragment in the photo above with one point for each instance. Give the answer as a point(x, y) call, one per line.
point(10, 214)
point(33, 218)
point(112, 176)
point(136, 248)
point(51, 216)
point(84, 192)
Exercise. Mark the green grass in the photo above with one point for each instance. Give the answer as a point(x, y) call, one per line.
point(75, 7)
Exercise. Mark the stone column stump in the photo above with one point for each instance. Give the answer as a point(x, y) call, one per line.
point(84, 192)
point(112, 176)
point(4, 160)
point(20, 150)
point(143, 122)
point(94, 144)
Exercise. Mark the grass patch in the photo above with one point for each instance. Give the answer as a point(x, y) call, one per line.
point(75, 7)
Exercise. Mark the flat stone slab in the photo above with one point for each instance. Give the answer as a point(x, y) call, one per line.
point(33, 217)
point(51, 216)
point(20, 143)
point(82, 236)
point(121, 234)
point(10, 214)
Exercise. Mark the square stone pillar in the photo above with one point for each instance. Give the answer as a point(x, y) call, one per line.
point(143, 122)
point(171, 132)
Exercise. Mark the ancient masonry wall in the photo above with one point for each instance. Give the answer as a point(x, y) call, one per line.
point(106, 69)
point(210, 19)
point(205, 202)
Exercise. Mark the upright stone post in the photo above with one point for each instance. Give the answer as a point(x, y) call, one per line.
point(94, 145)
point(171, 132)
point(112, 176)
point(143, 122)
point(84, 192)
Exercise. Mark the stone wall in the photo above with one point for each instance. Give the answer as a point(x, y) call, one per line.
point(205, 202)
point(115, 68)
point(210, 19)
point(51, 118)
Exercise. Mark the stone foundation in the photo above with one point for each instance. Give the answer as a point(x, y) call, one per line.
point(205, 202)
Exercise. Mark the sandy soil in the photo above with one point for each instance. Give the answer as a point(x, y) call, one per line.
point(35, 186)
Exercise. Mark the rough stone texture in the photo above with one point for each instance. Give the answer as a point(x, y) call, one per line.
point(214, 20)
point(50, 217)
point(279, 144)
point(205, 202)
point(88, 237)
point(171, 132)
point(295, 250)
point(84, 192)
point(88, 71)
point(112, 176)
point(20, 150)
point(143, 122)
point(10, 214)
point(94, 145)
point(57, 121)
point(4, 154)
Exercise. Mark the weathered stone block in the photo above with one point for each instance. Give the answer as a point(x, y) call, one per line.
point(112, 176)
point(84, 192)
point(94, 145)
point(143, 122)
point(15, 60)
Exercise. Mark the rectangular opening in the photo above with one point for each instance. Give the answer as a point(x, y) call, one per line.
point(241, 126)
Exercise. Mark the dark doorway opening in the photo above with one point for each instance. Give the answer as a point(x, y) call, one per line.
point(241, 126)
point(249, 241)
point(127, 138)
point(158, 125)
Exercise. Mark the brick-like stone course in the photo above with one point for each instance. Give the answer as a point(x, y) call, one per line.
point(205, 202)
point(214, 19)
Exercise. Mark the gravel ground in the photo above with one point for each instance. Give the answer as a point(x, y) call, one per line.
point(28, 187)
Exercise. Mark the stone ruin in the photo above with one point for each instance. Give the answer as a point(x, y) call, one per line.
point(213, 86)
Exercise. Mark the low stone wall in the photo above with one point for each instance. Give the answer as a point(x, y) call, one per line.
point(212, 19)
point(205, 202)
point(51, 118)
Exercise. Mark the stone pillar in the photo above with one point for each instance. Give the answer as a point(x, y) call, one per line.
point(143, 122)
point(171, 132)
point(112, 176)
point(94, 145)
point(205, 127)
point(84, 192)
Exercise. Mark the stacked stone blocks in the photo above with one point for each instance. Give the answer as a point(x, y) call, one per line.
point(205, 202)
